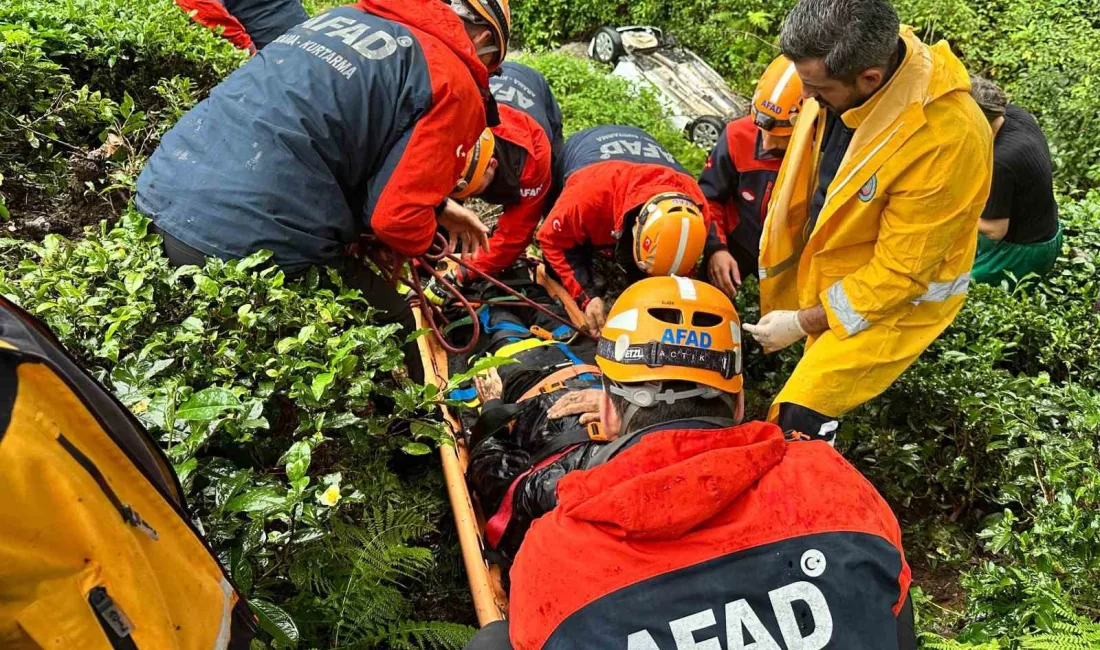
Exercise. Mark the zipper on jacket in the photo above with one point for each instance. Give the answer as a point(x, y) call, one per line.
point(112, 619)
point(129, 515)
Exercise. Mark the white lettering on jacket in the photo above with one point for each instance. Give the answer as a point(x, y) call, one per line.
point(634, 147)
point(744, 629)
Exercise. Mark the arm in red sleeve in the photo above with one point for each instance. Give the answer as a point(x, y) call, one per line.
point(212, 14)
point(423, 167)
point(565, 247)
point(517, 225)
point(719, 183)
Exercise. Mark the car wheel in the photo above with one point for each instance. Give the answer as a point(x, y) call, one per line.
point(607, 46)
point(706, 130)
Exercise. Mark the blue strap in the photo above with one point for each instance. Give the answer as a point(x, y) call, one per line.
point(577, 361)
point(463, 394)
point(561, 331)
point(507, 326)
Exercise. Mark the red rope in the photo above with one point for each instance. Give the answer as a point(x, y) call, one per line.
point(440, 250)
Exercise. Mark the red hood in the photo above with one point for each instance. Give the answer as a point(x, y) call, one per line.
point(435, 18)
point(643, 182)
point(672, 481)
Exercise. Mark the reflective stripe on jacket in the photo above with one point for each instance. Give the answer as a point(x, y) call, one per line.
point(890, 255)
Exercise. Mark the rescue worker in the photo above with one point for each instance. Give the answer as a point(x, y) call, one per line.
point(356, 121)
point(520, 168)
point(740, 174)
point(871, 231)
point(248, 24)
point(1019, 232)
point(693, 530)
point(625, 196)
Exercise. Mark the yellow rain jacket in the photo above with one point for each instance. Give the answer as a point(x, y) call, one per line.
point(890, 255)
point(97, 551)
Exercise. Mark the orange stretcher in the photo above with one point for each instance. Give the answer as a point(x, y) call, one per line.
point(490, 599)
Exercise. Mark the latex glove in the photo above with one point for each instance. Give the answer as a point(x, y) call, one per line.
point(585, 403)
point(595, 316)
point(777, 330)
point(724, 273)
point(464, 227)
point(490, 386)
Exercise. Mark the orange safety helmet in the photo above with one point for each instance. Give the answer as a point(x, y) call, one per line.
point(669, 235)
point(497, 17)
point(778, 98)
point(672, 329)
point(477, 161)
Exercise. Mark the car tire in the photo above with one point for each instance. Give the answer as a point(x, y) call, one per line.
point(607, 46)
point(705, 131)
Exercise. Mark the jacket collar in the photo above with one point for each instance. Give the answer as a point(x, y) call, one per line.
point(672, 481)
point(435, 18)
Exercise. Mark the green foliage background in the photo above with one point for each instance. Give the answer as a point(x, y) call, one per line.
point(273, 398)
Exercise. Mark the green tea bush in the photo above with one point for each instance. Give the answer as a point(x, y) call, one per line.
point(1043, 53)
point(588, 98)
point(277, 403)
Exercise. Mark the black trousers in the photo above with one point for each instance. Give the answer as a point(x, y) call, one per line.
point(377, 291)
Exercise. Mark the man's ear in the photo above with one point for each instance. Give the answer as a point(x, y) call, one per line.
point(612, 422)
point(870, 80)
point(739, 415)
point(483, 39)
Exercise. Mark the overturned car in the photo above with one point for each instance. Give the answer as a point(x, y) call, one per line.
point(698, 98)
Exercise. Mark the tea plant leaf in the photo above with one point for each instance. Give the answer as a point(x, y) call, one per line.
point(208, 404)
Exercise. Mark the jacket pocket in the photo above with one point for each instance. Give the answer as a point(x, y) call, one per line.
point(77, 612)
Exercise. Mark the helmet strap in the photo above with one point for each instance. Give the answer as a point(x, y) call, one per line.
point(649, 394)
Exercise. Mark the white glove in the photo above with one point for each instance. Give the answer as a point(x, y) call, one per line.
point(777, 330)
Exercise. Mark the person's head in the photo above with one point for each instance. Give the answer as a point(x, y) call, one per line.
point(990, 98)
point(776, 103)
point(843, 49)
point(481, 167)
point(669, 235)
point(671, 350)
point(488, 23)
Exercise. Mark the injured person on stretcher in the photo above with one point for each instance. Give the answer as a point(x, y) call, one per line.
point(670, 524)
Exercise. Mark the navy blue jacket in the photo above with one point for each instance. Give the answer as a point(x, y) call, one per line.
point(357, 119)
point(525, 89)
point(266, 20)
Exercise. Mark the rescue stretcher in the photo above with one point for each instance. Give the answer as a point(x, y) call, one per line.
point(485, 578)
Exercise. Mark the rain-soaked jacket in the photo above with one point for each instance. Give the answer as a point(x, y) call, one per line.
point(357, 119)
point(608, 173)
point(714, 538)
point(891, 252)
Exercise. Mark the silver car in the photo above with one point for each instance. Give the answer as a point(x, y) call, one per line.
point(698, 99)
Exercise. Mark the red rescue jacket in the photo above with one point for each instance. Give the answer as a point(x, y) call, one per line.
point(590, 214)
point(525, 199)
point(691, 536)
point(213, 14)
point(738, 181)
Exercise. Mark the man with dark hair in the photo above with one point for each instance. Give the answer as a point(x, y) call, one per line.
point(691, 529)
point(1019, 231)
point(870, 236)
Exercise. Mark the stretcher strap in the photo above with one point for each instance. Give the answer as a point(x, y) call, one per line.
point(556, 380)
